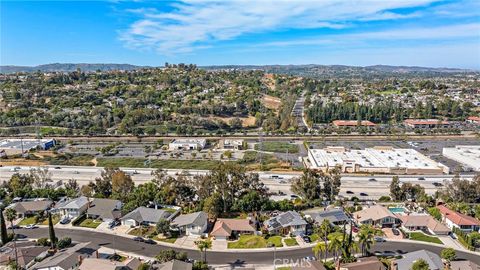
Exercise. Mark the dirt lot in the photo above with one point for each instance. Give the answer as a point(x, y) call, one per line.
point(271, 102)
point(246, 121)
point(21, 162)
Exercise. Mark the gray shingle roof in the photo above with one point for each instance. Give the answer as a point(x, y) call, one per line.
point(198, 218)
point(76, 203)
point(31, 206)
point(175, 265)
point(144, 214)
point(290, 218)
point(104, 208)
point(332, 215)
point(433, 260)
point(68, 258)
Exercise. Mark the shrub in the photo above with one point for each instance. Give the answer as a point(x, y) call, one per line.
point(64, 242)
point(43, 241)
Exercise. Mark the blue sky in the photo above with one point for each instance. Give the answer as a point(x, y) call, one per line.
point(364, 32)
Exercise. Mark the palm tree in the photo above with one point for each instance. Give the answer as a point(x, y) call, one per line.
point(11, 215)
point(203, 245)
point(319, 248)
point(335, 244)
point(366, 237)
point(323, 230)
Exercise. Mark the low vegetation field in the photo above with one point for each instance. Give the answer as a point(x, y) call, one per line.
point(278, 147)
point(167, 164)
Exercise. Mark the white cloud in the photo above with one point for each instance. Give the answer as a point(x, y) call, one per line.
point(194, 24)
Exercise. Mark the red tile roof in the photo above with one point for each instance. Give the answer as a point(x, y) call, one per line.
point(352, 123)
point(458, 218)
point(474, 118)
point(225, 226)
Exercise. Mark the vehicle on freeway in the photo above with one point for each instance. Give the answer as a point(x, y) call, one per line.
point(363, 194)
point(57, 168)
point(76, 172)
point(31, 226)
point(293, 196)
point(14, 169)
point(65, 220)
point(437, 184)
point(395, 231)
point(150, 241)
point(421, 178)
point(350, 192)
point(372, 180)
point(379, 239)
point(138, 239)
point(282, 182)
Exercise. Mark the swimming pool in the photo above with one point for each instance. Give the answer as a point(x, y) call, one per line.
point(397, 210)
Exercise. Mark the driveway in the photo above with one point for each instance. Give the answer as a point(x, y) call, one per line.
point(449, 242)
point(187, 241)
point(389, 234)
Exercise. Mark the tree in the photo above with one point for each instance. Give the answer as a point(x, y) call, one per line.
point(213, 206)
point(320, 248)
point(203, 245)
point(3, 228)
point(122, 184)
point(163, 226)
point(435, 212)
point(335, 244)
point(448, 254)
point(308, 185)
point(395, 189)
point(420, 264)
point(51, 231)
point(41, 177)
point(11, 214)
point(323, 230)
point(366, 238)
point(64, 242)
point(72, 188)
point(170, 254)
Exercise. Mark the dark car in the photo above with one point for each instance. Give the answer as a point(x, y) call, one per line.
point(350, 192)
point(395, 231)
point(20, 236)
point(306, 239)
point(138, 239)
point(57, 168)
point(421, 178)
point(13, 227)
point(363, 194)
point(150, 241)
point(65, 220)
point(437, 184)
point(372, 180)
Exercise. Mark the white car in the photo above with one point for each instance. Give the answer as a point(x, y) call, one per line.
point(31, 226)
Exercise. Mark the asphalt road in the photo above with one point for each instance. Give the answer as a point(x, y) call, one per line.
point(214, 257)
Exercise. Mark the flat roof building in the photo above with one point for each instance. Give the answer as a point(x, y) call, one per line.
point(467, 155)
point(379, 159)
point(187, 144)
point(231, 144)
point(353, 123)
point(15, 146)
point(426, 123)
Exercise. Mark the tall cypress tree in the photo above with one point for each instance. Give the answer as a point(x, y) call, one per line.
point(3, 228)
point(51, 231)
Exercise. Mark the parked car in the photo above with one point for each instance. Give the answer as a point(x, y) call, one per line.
point(31, 226)
point(395, 231)
point(379, 239)
point(138, 239)
point(306, 239)
point(20, 236)
point(65, 220)
point(386, 253)
point(363, 194)
point(150, 241)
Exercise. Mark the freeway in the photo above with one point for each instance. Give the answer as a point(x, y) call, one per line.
point(259, 257)
point(373, 186)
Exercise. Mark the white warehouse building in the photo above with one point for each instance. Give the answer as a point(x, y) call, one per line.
point(187, 144)
point(379, 159)
point(467, 155)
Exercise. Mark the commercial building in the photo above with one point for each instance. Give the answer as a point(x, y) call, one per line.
point(468, 155)
point(187, 144)
point(231, 144)
point(379, 159)
point(15, 146)
point(353, 123)
point(426, 123)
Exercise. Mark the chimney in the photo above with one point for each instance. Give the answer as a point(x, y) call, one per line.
point(80, 259)
point(96, 253)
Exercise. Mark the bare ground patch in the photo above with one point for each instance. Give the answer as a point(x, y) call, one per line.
point(272, 102)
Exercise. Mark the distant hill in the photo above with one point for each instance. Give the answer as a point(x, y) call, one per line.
point(68, 67)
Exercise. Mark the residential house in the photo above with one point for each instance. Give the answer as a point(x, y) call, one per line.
point(367, 263)
point(226, 228)
point(433, 260)
point(72, 208)
point(191, 224)
point(104, 209)
point(70, 258)
point(473, 119)
point(174, 265)
point(30, 208)
point(145, 216)
point(464, 265)
point(286, 223)
point(455, 219)
point(27, 251)
point(106, 264)
point(334, 216)
point(424, 223)
point(376, 215)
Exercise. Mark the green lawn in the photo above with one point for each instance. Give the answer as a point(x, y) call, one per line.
point(275, 240)
point(167, 164)
point(279, 147)
point(314, 237)
point(55, 220)
point(27, 221)
point(90, 223)
point(143, 231)
point(170, 240)
point(418, 236)
point(291, 242)
point(249, 241)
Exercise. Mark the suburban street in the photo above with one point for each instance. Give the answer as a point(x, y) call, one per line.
point(259, 257)
point(351, 183)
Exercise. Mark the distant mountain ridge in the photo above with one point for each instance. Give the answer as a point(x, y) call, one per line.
point(311, 70)
point(68, 67)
